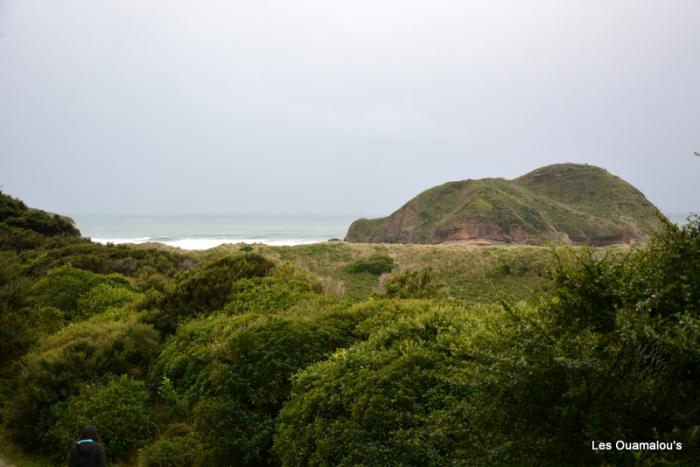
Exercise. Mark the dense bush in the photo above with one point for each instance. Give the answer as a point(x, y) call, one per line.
point(374, 314)
point(15, 213)
point(588, 289)
point(232, 375)
point(64, 286)
point(118, 408)
point(103, 297)
point(43, 223)
point(500, 270)
point(16, 316)
point(253, 376)
point(612, 354)
point(18, 239)
point(63, 363)
point(43, 252)
point(22, 320)
point(396, 399)
point(206, 288)
point(666, 274)
point(632, 332)
point(284, 287)
point(177, 447)
point(376, 264)
point(413, 284)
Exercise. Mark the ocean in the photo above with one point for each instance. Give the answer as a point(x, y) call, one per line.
point(199, 232)
point(202, 232)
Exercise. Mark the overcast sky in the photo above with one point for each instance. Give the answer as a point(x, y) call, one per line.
point(338, 107)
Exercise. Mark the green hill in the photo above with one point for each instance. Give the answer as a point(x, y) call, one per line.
point(569, 203)
point(25, 221)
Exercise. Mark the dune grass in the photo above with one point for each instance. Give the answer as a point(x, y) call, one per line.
point(479, 274)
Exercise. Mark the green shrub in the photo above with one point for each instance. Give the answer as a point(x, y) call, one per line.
point(103, 297)
point(375, 314)
point(500, 270)
point(177, 447)
point(18, 239)
point(595, 360)
point(20, 330)
point(63, 287)
point(397, 399)
point(119, 409)
point(413, 284)
point(19, 322)
point(232, 375)
point(376, 264)
point(127, 260)
point(64, 362)
point(43, 223)
point(206, 288)
point(15, 213)
point(587, 289)
point(666, 273)
point(284, 287)
point(149, 278)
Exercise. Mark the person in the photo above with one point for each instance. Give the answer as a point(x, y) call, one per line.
point(88, 450)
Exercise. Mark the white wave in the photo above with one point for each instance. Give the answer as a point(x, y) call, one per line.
point(206, 243)
point(104, 241)
point(198, 243)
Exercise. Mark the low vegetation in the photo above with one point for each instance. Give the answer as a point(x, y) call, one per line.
point(376, 264)
point(346, 354)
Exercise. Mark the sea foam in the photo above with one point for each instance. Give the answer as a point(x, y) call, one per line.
point(206, 243)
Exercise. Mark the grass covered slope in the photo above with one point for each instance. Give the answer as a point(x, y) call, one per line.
point(570, 203)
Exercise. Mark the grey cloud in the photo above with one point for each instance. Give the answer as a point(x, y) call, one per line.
point(338, 107)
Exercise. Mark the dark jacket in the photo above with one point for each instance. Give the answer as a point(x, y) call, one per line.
point(87, 455)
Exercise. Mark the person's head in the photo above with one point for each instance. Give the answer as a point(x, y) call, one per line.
point(90, 432)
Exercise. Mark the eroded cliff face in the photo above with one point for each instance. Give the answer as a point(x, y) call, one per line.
point(405, 229)
point(566, 203)
point(400, 227)
point(487, 232)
